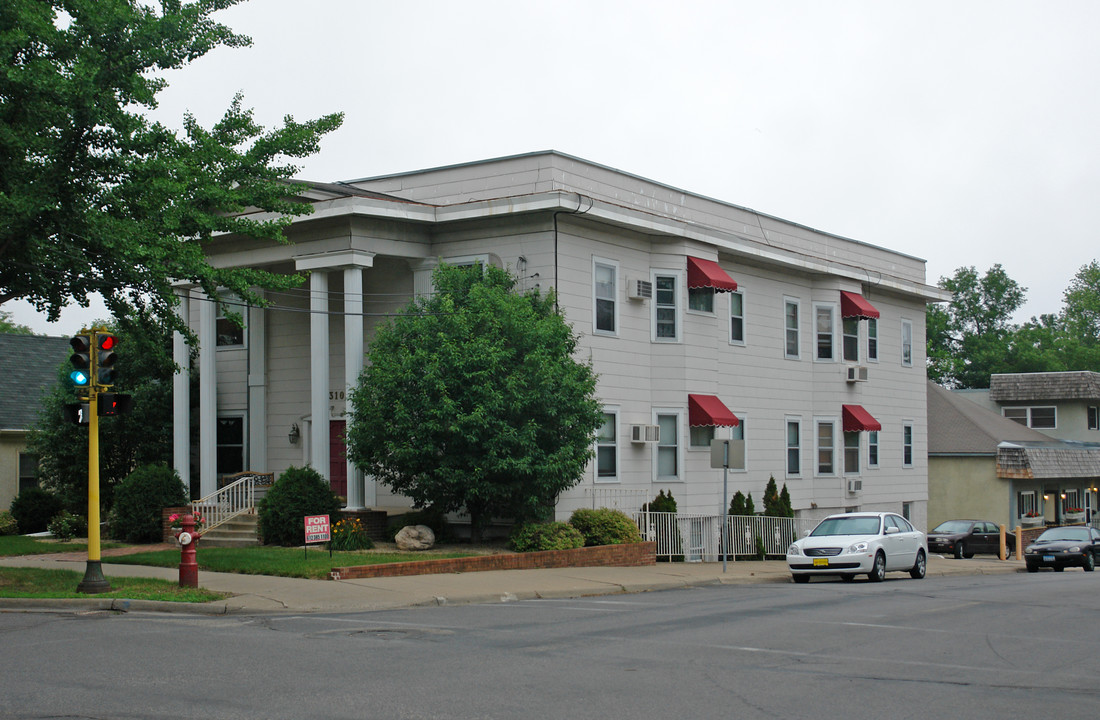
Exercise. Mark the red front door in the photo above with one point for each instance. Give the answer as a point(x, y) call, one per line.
point(337, 453)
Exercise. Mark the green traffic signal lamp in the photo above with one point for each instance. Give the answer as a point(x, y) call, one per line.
point(105, 359)
point(81, 360)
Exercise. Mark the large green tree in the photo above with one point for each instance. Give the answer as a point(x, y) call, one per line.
point(94, 197)
point(473, 400)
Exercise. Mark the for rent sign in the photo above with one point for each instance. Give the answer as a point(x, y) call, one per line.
point(317, 529)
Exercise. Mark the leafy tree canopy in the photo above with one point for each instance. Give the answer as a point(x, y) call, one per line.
point(472, 400)
point(10, 327)
point(96, 198)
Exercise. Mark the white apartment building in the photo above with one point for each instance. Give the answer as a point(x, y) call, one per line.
point(703, 320)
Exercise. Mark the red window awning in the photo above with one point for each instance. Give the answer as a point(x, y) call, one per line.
point(857, 419)
point(854, 305)
point(709, 410)
point(707, 273)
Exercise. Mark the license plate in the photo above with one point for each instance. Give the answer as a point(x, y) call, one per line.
point(1048, 558)
point(821, 562)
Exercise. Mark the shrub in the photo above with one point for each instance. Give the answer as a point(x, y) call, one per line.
point(296, 493)
point(737, 504)
point(33, 509)
point(8, 524)
point(66, 526)
point(348, 534)
point(605, 527)
point(666, 537)
point(139, 499)
point(534, 537)
point(661, 503)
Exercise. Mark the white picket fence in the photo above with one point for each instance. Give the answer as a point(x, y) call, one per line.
point(699, 538)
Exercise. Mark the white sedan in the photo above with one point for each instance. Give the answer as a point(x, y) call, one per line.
point(871, 543)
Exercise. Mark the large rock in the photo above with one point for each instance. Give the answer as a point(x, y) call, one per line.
point(415, 537)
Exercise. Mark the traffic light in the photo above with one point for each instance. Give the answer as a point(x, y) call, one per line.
point(81, 360)
point(76, 413)
point(114, 404)
point(105, 359)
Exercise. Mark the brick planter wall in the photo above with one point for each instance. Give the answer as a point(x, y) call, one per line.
point(629, 555)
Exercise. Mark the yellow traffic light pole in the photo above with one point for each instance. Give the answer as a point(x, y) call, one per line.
point(93, 581)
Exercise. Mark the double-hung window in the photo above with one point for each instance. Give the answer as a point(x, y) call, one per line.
point(605, 275)
point(850, 340)
point(666, 313)
point(794, 446)
point(668, 449)
point(907, 343)
point(27, 465)
point(826, 447)
point(1027, 503)
point(607, 447)
point(227, 332)
point(701, 299)
point(825, 329)
point(907, 445)
point(851, 453)
point(872, 340)
point(872, 448)
point(737, 318)
point(792, 338)
point(1094, 418)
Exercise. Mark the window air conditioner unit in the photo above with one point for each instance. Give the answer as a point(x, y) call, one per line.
point(645, 433)
point(855, 486)
point(857, 373)
point(639, 289)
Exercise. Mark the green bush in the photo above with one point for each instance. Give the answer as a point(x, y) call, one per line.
point(66, 526)
point(545, 536)
point(33, 509)
point(661, 503)
point(605, 527)
point(139, 499)
point(348, 534)
point(8, 524)
point(298, 492)
point(664, 538)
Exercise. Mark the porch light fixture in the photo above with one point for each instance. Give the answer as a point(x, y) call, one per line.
point(294, 435)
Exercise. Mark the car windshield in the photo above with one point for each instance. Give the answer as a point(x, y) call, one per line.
point(847, 526)
point(1064, 533)
point(953, 526)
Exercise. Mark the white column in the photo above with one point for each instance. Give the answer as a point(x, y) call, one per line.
point(319, 372)
point(353, 365)
point(208, 397)
point(181, 393)
point(256, 327)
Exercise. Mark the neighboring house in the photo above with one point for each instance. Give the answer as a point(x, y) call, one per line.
point(28, 369)
point(703, 320)
point(1063, 405)
point(984, 466)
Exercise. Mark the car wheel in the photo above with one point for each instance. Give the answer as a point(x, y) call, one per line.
point(920, 567)
point(878, 570)
point(960, 546)
point(801, 579)
point(968, 554)
point(1031, 567)
point(1088, 563)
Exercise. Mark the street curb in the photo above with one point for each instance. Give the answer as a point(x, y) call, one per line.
point(121, 605)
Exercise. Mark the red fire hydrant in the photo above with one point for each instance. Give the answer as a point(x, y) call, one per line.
point(188, 537)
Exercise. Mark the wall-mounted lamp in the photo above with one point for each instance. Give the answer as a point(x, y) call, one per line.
point(1063, 496)
point(295, 434)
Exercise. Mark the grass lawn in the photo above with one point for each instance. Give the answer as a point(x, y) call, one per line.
point(286, 562)
point(38, 583)
point(23, 545)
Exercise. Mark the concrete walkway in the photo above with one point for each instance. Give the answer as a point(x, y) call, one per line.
point(267, 594)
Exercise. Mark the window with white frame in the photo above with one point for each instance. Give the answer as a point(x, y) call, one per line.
point(826, 447)
point(605, 306)
point(872, 448)
point(607, 447)
point(668, 449)
point(228, 333)
point(906, 343)
point(28, 464)
point(792, 337)
point(665, 311)
point(825, 330)
point(737, 318)
point(851, 453)
point(230, 440)
point(1094, 418)
point(1072, 501)
point(872, 340)
point(1027, 503)
point(700, 436)
point(1040, 418)
point(701, 299)
point(907, 445)
point(794, 446)
point(850, 338)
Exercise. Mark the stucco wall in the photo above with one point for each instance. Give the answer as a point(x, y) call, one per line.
point(967, 488)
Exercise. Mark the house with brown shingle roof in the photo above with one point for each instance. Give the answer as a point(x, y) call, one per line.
point(984, 465)
point(1063, 405)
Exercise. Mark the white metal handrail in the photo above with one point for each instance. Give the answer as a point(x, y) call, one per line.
point(220, 507)
point(698, 538)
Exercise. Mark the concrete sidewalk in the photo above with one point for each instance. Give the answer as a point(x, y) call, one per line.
point(267, 594)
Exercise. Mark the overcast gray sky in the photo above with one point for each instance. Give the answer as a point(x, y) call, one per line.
point(964, 133)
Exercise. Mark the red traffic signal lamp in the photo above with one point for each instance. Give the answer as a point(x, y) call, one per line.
point(105, 359)
point(81, 360)
point(114, 404)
